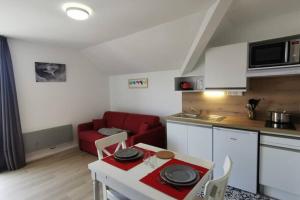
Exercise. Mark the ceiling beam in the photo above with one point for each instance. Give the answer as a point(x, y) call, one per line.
point(211, 21)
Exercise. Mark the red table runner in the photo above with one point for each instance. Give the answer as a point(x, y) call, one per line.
point(153, 180)
point(127, 165)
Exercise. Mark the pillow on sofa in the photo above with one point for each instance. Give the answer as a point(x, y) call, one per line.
point(112, 131)
point(97, 123)
point(143, 128)
point(109, 131)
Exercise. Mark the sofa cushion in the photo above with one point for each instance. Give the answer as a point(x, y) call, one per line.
point(134, 121)
point(97, 123)
point(110, 131)
point(90, 136)
point(143, 128)
point(114, 119)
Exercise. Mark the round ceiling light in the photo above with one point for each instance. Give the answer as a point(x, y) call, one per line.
point(77, 11)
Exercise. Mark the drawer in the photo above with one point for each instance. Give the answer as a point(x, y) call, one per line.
point(290, 143)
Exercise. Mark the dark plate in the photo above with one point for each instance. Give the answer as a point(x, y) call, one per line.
point(180, 173)
point(126, 153)
point(164, 179)
point(138, 156)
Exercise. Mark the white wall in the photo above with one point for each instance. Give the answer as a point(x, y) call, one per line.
point(82, 97)
point(158, 99)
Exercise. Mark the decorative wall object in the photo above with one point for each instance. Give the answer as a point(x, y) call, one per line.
point(138, 83)
point(50, 72)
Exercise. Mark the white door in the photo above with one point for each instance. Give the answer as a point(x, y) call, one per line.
point(200, 142)
point(226, 66)
point(242, 147)
point(177, 137)
point(279, 168)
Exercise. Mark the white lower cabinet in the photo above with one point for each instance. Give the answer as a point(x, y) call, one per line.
point(177, 138)
point(214, 144)
point(242, 147)
point(200, 142)
point(195, 141)
point(279, 167)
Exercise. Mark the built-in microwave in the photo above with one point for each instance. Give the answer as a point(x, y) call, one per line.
point(274, 53)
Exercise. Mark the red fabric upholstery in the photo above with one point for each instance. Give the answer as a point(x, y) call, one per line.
point(115, 119)
point(146, 129)
point(155, 137)
point(143, 128)
point(89, 136)
point(98, 123)
point(85, 126)
point(134, 121)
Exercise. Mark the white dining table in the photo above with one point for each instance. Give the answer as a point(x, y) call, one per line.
point(128, 182)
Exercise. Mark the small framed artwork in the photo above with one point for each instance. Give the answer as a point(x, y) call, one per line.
point(138, 83)
point(50, 72)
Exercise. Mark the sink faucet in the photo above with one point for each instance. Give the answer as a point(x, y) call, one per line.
point(194, 110)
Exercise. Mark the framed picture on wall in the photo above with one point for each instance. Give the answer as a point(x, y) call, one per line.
point(50, 72)
point(138, 83)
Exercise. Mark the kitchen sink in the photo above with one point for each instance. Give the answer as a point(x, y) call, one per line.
point(186, 115)
point(214, 118)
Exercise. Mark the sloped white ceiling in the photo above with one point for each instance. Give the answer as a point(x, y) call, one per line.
point(254, 20)
point(131, 36)
point(162, 47)
point(45, 21)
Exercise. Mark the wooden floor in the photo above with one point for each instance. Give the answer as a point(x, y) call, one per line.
point(64, 176)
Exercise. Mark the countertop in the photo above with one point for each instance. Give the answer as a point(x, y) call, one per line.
point(239, 123)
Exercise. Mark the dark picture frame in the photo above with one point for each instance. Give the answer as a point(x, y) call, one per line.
point(50, 72)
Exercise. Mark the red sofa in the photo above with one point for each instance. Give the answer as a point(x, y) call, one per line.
point(143, 128)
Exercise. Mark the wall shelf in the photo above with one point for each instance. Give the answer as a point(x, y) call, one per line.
point(197, 83)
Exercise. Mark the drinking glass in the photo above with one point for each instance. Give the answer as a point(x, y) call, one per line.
point(146, 158)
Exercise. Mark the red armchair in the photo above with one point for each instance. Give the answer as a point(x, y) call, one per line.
point(143, 128)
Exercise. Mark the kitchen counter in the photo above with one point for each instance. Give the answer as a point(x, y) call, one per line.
point(239, 123)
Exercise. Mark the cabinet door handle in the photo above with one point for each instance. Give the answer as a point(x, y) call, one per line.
point(233, 139)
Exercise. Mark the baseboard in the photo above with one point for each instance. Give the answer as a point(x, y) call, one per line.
point(49, 151)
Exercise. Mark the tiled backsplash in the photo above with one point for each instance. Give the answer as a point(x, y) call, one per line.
point(276, 93)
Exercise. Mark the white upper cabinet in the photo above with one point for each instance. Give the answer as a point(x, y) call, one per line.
point(226, 67)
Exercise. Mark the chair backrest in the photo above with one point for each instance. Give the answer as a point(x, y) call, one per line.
point(102, 143)
point(215, 189)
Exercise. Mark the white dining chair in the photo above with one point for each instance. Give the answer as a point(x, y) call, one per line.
point(101, 145)
point(215, 189)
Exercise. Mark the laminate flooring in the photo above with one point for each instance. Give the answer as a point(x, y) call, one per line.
point(63, 176)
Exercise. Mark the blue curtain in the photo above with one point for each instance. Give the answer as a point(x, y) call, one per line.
point(12, 155)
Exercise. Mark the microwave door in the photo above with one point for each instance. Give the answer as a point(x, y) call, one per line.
point(269, 55)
